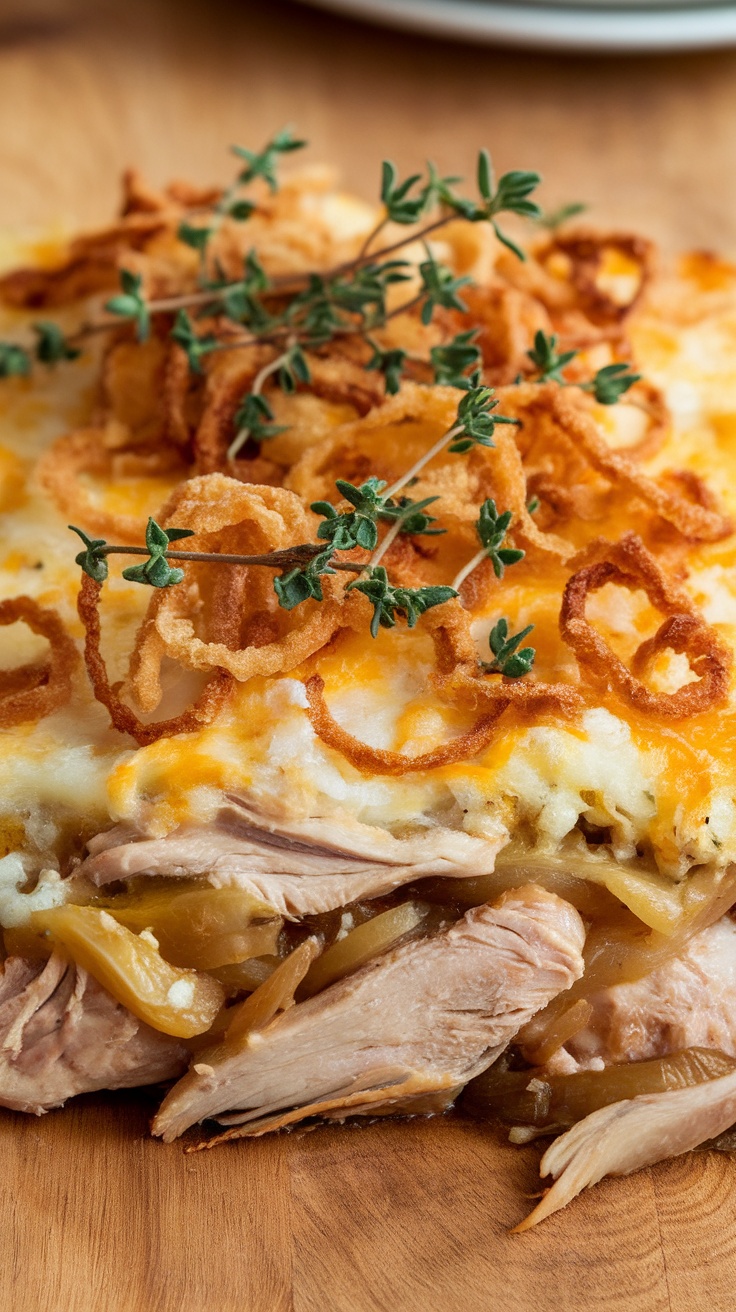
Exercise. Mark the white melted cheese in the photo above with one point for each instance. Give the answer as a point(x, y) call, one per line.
point(70, 773)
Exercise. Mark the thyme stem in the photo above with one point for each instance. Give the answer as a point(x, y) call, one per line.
point(272, 367)
point(380, 551)
point(468, 568)
point(423, 460)
point(277, 559)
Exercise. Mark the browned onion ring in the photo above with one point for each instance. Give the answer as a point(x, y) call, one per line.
point(31, 692)
point(684, 630)
point(215, 693)
point(377, 760)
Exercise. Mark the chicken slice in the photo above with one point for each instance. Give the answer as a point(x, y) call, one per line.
point(625, 1136)
point(690, 1002)
point(299, 867)
point(427, 1016)
point(61, 1033)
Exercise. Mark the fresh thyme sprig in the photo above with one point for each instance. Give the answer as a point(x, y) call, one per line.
point(296, 314)
point(388, 600)
point(607, 385)
point(553, 219)
point(305, 565)
point(507, 659)
point(491, 529)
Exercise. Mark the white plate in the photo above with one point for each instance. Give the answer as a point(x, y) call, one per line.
point(626, 26)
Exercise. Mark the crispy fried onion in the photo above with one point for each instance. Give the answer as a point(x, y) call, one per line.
point(414, 419)
point(692, 519)
point(377, 760)
point(459, 679)
point(336, 378)
point(33, 691)
point(628, 564)
point(61, 468)
point(228, 516)
point(586, 251)
point(210, 701)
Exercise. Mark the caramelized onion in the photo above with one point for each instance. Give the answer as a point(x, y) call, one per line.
point(555, 1102)
point(274, 995)
point(361, 945)
point(131, 968)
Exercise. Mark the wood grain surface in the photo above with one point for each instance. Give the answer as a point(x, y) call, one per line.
point(396, 1217)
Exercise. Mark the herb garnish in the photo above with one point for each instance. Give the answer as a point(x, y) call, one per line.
point(607, 385)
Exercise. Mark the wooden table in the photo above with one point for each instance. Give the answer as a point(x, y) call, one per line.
point(401, 1217)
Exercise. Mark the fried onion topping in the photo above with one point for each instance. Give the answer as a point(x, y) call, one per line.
point(33, 691)
point(628, 564)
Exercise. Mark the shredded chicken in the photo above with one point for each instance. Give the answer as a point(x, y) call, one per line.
point(299, 867)
point(626, 1136)
point(61, 1033)
point(427, 1016)
point(690, 1002)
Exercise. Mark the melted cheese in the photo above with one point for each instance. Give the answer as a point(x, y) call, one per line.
point(670, 788)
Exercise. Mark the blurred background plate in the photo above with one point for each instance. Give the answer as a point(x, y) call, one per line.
point(585, 25)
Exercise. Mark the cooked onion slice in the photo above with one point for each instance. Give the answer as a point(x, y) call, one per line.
point(361, 944)
point(131, 968)
point(203, 928)
point(276, 994)
point(558, 1101)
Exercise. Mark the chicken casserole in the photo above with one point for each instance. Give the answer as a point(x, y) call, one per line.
point(393, 771)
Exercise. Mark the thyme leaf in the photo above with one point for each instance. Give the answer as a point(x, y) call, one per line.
point(263, 164)
point(389, 601)
point(507, 659)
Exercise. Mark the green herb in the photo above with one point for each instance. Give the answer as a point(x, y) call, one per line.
point(131, 304)
point(355, 528)
point(91, 560)
point(411, 516)
point(547, 360)
point(195, 236)
point(553, 219)
point(492, 529)
point(304, 581)
point(506, 659)
point(607, 386)
point(401, 207)
point(610, 383)
point(390, 363)
point(439, 288)
point(15, 361)
point(475, 421)
point(263, 164)
point(511, 196)
point(254, 417)
point(451, 361)
point(53, 346)
point(156, 571)
point(388, 601)
point(196, 347)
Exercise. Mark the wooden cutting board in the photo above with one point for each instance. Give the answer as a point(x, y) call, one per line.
point(401, 1217)
point(408, 1216)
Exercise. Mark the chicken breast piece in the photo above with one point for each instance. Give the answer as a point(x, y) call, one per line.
point(622, 1138)
point(690, 1002)
point(299, 867)
point(61, 1033)
point(427, 1016)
